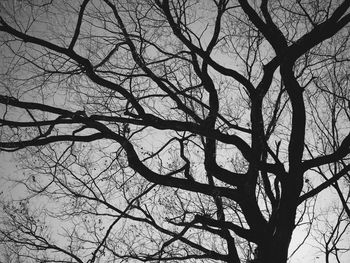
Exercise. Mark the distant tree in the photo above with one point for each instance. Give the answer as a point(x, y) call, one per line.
point(156, 130)
point(331, 234)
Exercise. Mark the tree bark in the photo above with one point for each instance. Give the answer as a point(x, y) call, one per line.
point(274, 249)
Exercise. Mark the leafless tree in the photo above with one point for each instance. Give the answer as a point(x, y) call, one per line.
point(157, 130)
point(331, 234)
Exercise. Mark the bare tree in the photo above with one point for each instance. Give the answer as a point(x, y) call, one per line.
point(158, 130)
point(331, 234)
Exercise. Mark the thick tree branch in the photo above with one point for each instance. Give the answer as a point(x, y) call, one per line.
point(325, 184)
point(78, 26)
point(268, 29)
point(17, 145)
point(342, 151)
point(240, 231)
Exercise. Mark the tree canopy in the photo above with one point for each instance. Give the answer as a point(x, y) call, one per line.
point(175, 131)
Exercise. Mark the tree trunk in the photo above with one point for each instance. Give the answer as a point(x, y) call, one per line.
point(275, 248)
point(276, 251)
